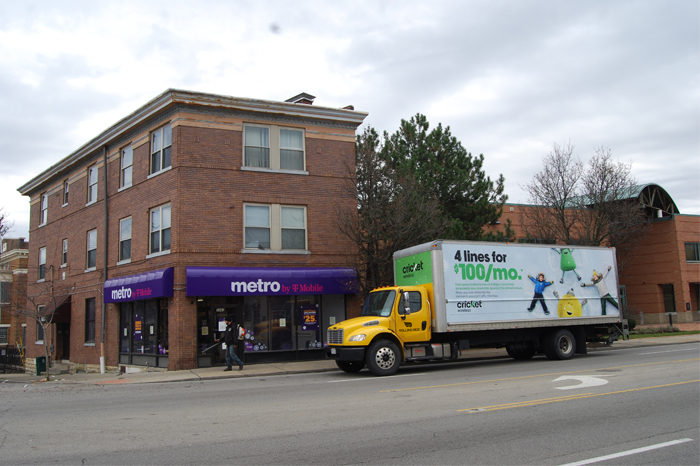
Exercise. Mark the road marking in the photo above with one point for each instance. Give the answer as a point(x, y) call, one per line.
point(672, 351)
point(540, 375)
point(629, 452)
point(376, 378)
point(586, 381)
point(564, 398)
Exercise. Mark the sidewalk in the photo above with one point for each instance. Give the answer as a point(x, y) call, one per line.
point(286, 368)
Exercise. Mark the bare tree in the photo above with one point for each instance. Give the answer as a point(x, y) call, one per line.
point(40, 306)
point(392, 213)
point(5, 224)
point(576, 204)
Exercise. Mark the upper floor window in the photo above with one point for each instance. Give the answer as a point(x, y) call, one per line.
point(92, 184)
point(127, 162)
point(161, 142)
point(160, 229)
point(65, 192)
point(5, 292)
point(64, 255)
point(91, 250)
point(275, 227)
point(692, 252)
point(273, 147)
point(125, 239)
point(44, 209)
point(42, 263)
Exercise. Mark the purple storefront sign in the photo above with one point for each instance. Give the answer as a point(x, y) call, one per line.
point(250, 281)
point(155, 284)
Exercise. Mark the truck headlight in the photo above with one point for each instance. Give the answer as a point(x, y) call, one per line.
point(360, 337)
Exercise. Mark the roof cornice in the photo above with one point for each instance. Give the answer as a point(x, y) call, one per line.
point(173, 97)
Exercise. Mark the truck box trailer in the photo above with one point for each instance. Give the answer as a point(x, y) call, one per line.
point(450, 296)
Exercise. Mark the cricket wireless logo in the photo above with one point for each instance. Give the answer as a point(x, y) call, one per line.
point(467, 306)
point(478, 271)
point(413, 267)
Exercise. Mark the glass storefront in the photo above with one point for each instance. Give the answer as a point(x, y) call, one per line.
point(143, 338)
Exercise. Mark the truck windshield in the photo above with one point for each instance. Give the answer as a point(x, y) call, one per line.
point(379, 303)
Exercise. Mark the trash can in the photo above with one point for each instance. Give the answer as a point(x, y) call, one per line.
point(40, 365)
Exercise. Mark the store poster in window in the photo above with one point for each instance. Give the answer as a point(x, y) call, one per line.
point(310, 317)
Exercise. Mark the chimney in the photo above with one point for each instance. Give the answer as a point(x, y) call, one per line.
point(302, 98)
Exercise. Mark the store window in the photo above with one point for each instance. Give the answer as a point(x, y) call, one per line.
point(161, 142)
point(144, 332)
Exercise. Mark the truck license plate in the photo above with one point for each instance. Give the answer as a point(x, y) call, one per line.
point(332, 350)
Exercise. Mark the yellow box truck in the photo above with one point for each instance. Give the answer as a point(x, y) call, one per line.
point(451, 296)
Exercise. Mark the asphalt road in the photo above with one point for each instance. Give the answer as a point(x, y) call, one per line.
point(637, 406)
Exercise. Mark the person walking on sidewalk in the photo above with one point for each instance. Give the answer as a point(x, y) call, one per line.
point(229, 337)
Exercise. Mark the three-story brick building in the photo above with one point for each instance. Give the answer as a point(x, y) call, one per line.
point(194, 207)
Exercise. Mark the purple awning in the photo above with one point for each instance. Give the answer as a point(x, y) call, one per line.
point(248, 281)
point(155, 284)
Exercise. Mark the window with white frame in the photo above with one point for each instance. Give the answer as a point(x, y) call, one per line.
point(42, 263)
point(65, 192)
point(64, 254)
point(273, 147)
point(257, 226)
point(275, 227)
point(125, 239)
point(91, 250)
point(127, 163)
point(160, 229)
point(92, 184)
point(293, 227)
point(44, 209)
point(161, 142)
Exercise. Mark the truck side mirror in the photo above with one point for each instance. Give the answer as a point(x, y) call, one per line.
point(405, 302)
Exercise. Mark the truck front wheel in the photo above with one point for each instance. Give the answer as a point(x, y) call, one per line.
point(560, 345)
point(350, 366)
point(383, 358)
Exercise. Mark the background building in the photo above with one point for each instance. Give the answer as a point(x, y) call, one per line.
point(660, 276)
point(13, 284)
point(194, 207)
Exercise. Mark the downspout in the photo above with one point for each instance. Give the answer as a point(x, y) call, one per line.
point(104, 264)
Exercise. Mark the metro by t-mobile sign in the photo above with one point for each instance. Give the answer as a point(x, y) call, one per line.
point(156, 284)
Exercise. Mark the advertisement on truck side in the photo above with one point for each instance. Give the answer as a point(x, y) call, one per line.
point(492, 282)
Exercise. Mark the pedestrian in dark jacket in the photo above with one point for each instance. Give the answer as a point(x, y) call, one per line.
point(230, 337)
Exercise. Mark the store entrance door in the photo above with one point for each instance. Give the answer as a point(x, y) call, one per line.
point(211, 322)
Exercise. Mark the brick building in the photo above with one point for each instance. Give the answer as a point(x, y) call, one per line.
point(660, 277)
point(13, 283)
point(194, 207)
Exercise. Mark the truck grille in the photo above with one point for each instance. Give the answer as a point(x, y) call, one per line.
point(335, 337)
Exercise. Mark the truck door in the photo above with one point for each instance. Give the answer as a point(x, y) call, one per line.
point(414, 326)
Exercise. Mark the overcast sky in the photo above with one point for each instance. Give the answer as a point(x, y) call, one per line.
point(510, 78)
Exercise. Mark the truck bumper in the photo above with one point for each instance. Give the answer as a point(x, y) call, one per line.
point(346, 354)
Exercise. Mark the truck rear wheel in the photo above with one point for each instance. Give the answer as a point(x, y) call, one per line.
point(350, 366)
point(560, 345)
point(383, 358)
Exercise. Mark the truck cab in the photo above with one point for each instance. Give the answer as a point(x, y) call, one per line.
point(394, 326)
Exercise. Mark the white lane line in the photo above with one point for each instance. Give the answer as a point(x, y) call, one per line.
point(629, 452)
point(672, 351)
point(375, 378)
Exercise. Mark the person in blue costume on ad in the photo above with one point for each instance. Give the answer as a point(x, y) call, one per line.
point(540, 285)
